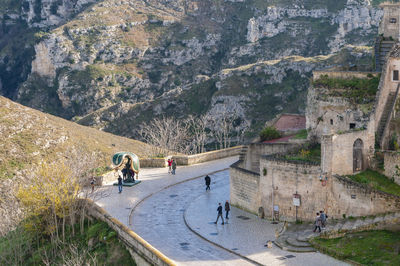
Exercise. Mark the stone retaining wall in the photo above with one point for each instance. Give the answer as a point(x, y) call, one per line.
point(192, 159)
point(141, 251)
point(207, 156)
point(244, 184)
point(338, 196)
point(392, 165)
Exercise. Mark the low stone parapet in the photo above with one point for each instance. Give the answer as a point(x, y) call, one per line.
point(153, 162)
point(141, 251)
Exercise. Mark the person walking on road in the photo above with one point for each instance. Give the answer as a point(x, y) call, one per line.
point(227, 209)
point(169, 165)
point(317, 223)
point(208, 182)
point(323, 219)
point(173, 164)
point(119, 184)
point(219, 210)
point(92, 182)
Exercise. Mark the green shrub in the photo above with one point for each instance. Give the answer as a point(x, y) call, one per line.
point(269, 133)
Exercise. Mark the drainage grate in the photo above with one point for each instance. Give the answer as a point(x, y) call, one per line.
point(235, 249)
point(173, 196)
point(213, 234)
point(290, 256)
point(243, 217)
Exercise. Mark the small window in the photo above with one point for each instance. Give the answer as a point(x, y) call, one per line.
point(352, 125)
point(393, 20)
point(395, 75)
point(331, 121)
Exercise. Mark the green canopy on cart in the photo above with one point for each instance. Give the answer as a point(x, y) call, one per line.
point(118, 160)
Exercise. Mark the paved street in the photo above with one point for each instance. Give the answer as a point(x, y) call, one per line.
point(159, 220)
point(162, 201)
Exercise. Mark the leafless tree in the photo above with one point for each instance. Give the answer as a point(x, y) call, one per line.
point(198, 132)
point(222, 127)
point(166, 133)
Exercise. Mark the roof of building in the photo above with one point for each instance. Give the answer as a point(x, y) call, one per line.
point(290, 122)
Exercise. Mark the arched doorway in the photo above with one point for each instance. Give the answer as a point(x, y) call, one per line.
point(357, 155)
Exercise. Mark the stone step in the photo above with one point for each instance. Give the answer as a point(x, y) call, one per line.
point(294, 242)
point(282, 243)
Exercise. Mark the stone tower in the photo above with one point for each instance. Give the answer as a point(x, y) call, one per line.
point(390, 25)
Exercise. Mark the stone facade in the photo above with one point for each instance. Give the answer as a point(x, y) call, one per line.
point(392, 165)
point(338, 152)
point(338, 196)
point(389, 26)
point(327, 114)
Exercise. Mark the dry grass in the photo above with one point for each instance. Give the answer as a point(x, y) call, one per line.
point(29, 136)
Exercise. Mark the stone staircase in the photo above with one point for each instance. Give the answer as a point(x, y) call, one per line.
point(382, 48)
point(243, 152)
point(297, 238)
point(385, 117)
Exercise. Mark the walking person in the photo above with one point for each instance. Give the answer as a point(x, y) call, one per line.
point(323, 219)
point(227, 209)
point(317, 223)
point(173, 165)
point(208, 182)
point(119, 184)
point(169, 165)
point(219, 210)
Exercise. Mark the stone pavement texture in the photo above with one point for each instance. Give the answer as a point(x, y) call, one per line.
point(161, 200)
point(245, 233)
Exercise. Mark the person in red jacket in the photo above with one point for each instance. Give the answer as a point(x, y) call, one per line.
point(169, 165)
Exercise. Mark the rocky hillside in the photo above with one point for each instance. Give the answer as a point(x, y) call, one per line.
point(116, 62)
point(29, 136)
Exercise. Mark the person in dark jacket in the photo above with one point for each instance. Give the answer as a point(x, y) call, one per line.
point(227, 209)
point(119, 184)
point(208, 182)
point(173, 166)
point(219, 210)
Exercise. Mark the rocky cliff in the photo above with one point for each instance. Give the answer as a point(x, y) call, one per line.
point(109, 61)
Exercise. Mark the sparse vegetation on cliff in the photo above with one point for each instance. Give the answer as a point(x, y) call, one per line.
point(357, 90)
point(269, 133)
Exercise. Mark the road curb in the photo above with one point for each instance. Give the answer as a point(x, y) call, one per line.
point(213, 243)
point(164, 188)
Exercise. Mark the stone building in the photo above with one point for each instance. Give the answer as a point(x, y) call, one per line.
point(348, 126)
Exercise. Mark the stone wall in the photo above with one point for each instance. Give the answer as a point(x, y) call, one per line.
point(244, 188)
point(337, 151)
point(392, 165)
point(388, 29)
point(207, 156)
point(141, 251)
point(153, 162)
point(256, 150)
point(338, 196)
point(282, 180)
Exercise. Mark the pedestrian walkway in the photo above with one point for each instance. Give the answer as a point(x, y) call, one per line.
point(153, 180)
point(245, 233)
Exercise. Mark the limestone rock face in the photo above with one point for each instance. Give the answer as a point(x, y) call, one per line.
point(89, 56)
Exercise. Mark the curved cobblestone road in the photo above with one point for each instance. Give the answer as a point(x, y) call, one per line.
point(159, 220)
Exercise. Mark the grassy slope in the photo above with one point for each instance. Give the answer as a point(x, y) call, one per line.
point(367, 248)
point(29, 136)
point(377, 181)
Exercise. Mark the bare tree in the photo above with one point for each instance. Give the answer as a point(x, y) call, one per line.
point(198, 132)
point(166, 133)
point(222, 128)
